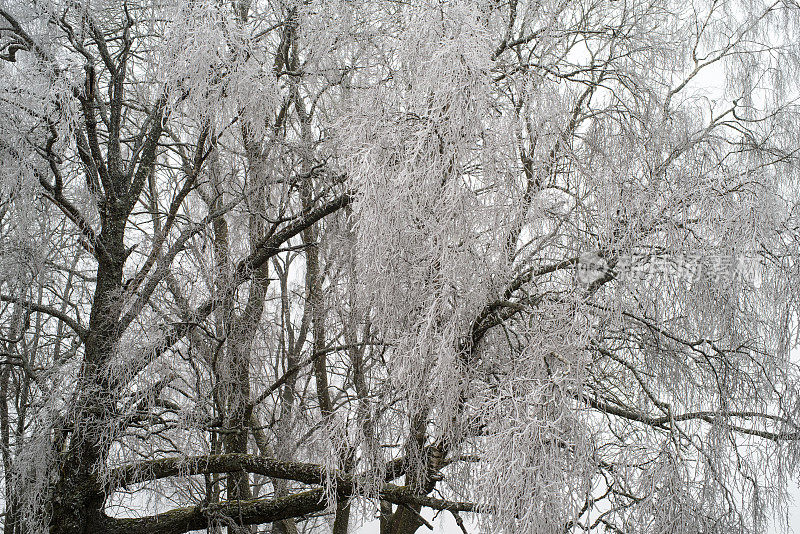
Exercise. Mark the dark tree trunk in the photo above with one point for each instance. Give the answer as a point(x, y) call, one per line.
point(78, 496)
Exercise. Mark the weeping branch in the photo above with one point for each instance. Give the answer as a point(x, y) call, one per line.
point(48, 310)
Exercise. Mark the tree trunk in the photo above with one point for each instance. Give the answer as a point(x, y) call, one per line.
point(78, 496)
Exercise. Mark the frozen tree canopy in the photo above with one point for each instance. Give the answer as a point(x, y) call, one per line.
point(287, 266)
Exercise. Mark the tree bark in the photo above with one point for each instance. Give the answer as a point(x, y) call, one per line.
point(78, 498)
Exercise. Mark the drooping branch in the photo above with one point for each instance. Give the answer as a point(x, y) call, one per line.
point(20, 40)
point(48, 310)
point(73, 214)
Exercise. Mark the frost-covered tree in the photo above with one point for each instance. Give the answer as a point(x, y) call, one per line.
point(282, 266)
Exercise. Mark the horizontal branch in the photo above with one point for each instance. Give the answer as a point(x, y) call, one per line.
point(250, 512)
point(260, 511)
point(219, 463)
point(306, 473)
point(710, 417)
